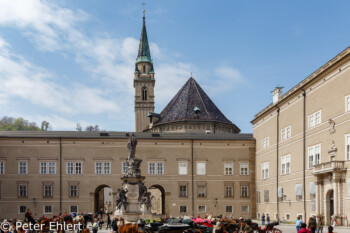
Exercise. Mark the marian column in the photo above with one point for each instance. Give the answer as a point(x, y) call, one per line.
point(133, 199)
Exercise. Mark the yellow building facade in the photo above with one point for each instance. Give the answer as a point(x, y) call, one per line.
point(302, 147)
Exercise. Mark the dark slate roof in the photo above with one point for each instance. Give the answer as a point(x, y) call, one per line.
point(123, 135)
point(181, 107)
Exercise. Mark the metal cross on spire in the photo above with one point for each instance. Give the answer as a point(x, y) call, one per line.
point(143, 4)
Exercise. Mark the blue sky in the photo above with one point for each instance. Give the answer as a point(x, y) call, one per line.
point(73, 61)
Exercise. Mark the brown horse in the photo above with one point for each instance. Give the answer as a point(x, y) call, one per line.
point(129, 228)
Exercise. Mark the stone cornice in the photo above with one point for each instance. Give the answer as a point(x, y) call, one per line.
point(303, 83)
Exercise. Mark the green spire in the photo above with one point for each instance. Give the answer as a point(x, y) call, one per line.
point(144, 52)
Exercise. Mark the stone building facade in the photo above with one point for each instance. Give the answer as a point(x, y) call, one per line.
point(303, 147)
point(195, 174)
point(202, 165)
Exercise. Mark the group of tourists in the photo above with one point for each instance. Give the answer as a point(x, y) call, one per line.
point(312, 226)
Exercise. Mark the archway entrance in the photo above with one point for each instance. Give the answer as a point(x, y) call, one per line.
point(103, 199)
point(157, 199)
point(330, 205)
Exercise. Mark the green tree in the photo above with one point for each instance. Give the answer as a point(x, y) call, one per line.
point(45, 126)
point(12, 124)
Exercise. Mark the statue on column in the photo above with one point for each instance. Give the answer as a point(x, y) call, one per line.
point(133, 162)
point(142, 190)
point(122, 200)
point(146, 199)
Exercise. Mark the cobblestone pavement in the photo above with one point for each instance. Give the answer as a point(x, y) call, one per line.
point(284, 228)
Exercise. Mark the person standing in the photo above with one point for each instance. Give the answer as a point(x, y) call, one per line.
point(319, 225)
point(263, 219)
point(115, 225)
point(95, 226)
point(268, 218)
point(303, 229)
point(109, 222)
point(312, 224)
point(298, 223)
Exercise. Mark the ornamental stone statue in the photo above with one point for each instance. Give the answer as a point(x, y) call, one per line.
point(132, 162)
point(121, 199)
point(133, 195)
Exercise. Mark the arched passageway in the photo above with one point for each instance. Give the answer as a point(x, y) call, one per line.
point(157, 199)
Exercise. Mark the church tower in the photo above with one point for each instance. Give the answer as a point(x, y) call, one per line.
point(143, 82)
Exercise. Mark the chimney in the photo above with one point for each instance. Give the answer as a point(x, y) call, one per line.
point(276, 94)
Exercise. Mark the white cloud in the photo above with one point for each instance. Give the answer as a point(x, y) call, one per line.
point(20, 78)
point(46, 23)
point(109, 62)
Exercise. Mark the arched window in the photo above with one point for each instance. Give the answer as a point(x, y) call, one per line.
point(144, 93)
point(144, 69)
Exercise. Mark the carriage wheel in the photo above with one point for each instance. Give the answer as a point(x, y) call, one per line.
point(275, 230)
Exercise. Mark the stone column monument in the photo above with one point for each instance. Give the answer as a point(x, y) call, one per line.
point(133, 200)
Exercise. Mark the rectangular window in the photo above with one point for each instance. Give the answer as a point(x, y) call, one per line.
point(202, 191)
point(244, 191)
point(160, 169)
point(347, 147)
point(312, 187)
point(258, 200)
point(74, 168)
point(124, 167)
point(2, 167)
point(48, 209)
point(285, 163)
point(152, 168)
point(289, 131)
point(228, 168)
point(228, 191)
point(318, 118)
point(22, 191)
point(244, 209)
point(266, 196)
point(229, 209)
point(22, 209)
point(22, 167)
point(265, 143)
point(201, 168)
point(42, 168)
point(73, 209)
point(47, 190)
point(102, 167)
point(183, 209)
point(244, 169)
point(52, 168)
point(311, 121)
point(265, 170)
point(183, 190)
point(283, 134)
point(78, 168)
point(314, 155)
point(280, 193)
point(73, 190)
point(286, 133)
point(183, 168)
point(98, 168)
point(47, 168)
point(347, 103)
point(107, 167)
point(299, 191)
point(70, 168)
point(315, 119)
point(202, 209)
point(155, 168)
